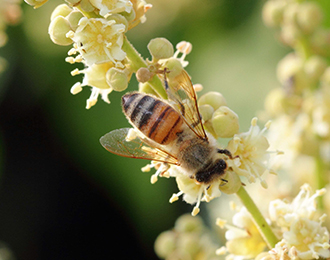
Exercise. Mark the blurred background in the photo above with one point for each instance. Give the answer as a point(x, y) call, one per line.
point(62, 195)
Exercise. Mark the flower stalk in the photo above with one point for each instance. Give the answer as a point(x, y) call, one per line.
point(264, 228)
point(136, 62)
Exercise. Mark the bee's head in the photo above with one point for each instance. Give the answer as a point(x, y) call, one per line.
point(213, 170)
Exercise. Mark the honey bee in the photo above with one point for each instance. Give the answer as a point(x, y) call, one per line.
point(169, 132)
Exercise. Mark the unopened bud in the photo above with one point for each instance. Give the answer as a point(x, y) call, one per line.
point(272, 12)
point(175, 67)
point(165, 244)
point(187, 223)
point(117, 79)
point(58, 28)
point(86, 5)
point(214, 99)
point(206, 112)
point(160, 48)
point(233, 183)
point(61, 10)
point(225, 122)
point(189, 244)
point(315, 67)
point(309, 16)
point(143, 75)
point(74, 18)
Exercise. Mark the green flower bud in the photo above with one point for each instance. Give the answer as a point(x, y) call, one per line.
point(290, 13)
point(214, 99)
point(272, 12)
point(206, 111)
point(86, 6)
point(58, 28)
point(274, 102)
point(291, 74)
point(175, 67)
point(160, 48)
point(188, 243)
point(35, 3)
point(74, 18)
point(117, 79)
point(225, 122)
point(61, 10)
point(146, 88)
point(165, 244)
point(315, 67)
point(188, 223)
point(233, 184)
point(309, 16)
point(143, 75)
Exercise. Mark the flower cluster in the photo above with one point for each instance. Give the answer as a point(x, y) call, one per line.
point(297, 225)
point(189, 239)
point(300, 107)
point(96, 30)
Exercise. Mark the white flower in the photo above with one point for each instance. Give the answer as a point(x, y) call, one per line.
point(192, 191)
point(99, 40)
point(244, 240)
point(250, 153)
point(95, 76)
point(300, 226)
point(108, 7)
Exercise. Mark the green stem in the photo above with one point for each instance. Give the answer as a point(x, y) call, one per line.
point(138, 62)
point(303, 48)
point(264, 229)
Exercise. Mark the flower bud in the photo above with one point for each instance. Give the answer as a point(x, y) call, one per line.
point(58, 28)
point(315, 67)
point(143, 75)
point(291, 74)
point(175, 67)
point(206, 112)
point(187, 223)
point(35, 3)
point(86, 6)
point(117, 79)
point(212, 98)
point(188, 244)
point(309, 16)
point(225, 122)
point(233, 184)
point(274, 102)
point(160, 48)
point(272, 12)
point(61, 10)
point(74, 18)
point(165, 244)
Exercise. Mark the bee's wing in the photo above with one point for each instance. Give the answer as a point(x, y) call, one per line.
point(140, 148)
point(180, 90)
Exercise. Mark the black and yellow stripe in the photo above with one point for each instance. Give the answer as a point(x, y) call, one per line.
point(153, 117)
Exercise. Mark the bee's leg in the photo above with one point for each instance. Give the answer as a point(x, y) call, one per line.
point(226, 152)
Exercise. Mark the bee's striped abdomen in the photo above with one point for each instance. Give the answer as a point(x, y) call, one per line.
point(153, 117)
